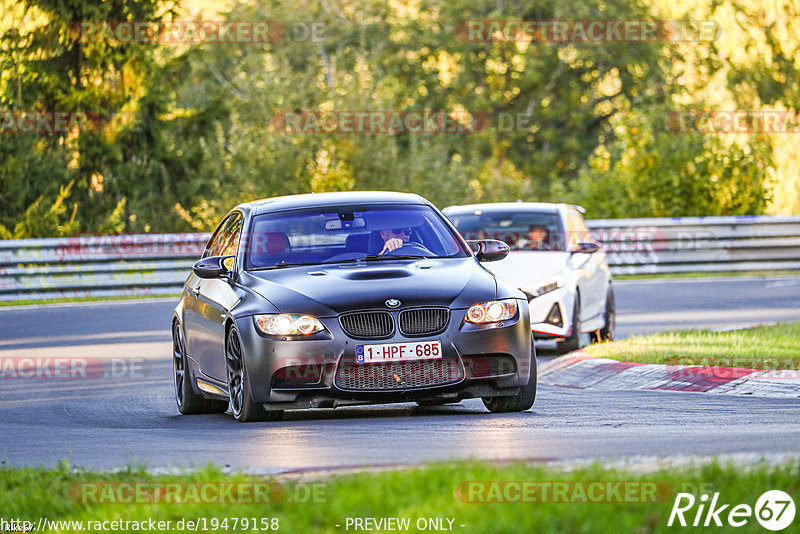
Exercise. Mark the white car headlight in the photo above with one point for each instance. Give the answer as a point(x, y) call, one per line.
point(492, 311)
point(287, 324)
point(544, 286)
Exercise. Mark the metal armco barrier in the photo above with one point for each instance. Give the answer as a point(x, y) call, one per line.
point(157, 264)
point(699, 244)
point(154, 264)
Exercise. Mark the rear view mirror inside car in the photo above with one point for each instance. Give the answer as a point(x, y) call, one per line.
point(339, 224)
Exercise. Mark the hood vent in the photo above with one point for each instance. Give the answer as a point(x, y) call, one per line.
point(377, 274)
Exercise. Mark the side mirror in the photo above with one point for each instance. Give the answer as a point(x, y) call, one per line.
point(489, 249)
point(586, 248)
point(211, 267)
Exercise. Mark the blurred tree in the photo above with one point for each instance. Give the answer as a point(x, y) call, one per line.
point(749, 65)
point(196, 130)
point(548, 103)
point(46, 67)
point(651, 171)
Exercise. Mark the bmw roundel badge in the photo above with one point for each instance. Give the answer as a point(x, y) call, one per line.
point(393, 303)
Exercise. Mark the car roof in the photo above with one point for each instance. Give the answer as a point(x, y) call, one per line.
point(311, 200)
point(541, 207)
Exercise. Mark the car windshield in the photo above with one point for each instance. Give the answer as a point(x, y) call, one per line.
point(521, 230)
point(334, 234)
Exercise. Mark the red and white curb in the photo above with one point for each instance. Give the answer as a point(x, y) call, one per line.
point(582, 371)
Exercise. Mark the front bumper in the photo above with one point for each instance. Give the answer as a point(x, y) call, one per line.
point(481, 361)
point(558, 303)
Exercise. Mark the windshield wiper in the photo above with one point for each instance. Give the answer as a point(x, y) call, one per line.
point(368, 257)
point(284, 265)
point(374, 257)
point(378, 257)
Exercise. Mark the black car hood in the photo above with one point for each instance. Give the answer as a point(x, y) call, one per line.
point(326, 290)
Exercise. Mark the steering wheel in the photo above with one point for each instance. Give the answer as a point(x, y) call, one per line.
point(411, 249)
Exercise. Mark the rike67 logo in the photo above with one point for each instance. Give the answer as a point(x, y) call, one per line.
point(774, 510)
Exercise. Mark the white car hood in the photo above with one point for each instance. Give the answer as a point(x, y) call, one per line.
point(522, 268)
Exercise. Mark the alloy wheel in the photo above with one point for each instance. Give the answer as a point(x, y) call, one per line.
point(233, 359)
point(178, 362)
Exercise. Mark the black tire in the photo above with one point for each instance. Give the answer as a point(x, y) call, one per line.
point(521, 401)
point(241, 402)
point(573, 342)
point(188, 401)
point(610, 316)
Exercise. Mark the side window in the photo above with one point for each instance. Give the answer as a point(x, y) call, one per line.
point(579, 232)
point(215, 237)
point(572, 232)
point(230, 237)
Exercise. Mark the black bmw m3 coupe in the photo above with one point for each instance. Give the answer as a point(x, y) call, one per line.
point(337, 299)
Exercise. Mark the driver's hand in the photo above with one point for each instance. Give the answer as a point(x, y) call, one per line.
point(392, 244)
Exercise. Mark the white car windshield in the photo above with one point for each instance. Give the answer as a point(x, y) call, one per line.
point(522, 230)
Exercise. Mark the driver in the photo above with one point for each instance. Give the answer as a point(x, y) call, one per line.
point(394, 239)
point(536, 238)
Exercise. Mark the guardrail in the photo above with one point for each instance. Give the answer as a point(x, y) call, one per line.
point(699, 244)
point(157, 264)
point(88, 266)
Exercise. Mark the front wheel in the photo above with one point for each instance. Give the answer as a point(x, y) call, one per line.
point(188, 401)
point(573, 341)
point(521, 401)
point(241, 402)
point(610, 315)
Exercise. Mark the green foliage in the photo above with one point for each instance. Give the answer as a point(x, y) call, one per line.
point(47, 67)
point(434, 491)
point(195, 132)
point(648, 170)
point(763, 347)
point(28, 171)
point(379, 57)
point(114, 224)
point(42, 219)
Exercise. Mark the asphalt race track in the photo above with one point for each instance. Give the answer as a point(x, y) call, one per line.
point(126, 413)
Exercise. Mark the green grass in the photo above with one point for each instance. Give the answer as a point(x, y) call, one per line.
point(428, 492)
point(763, 347)
point(28, 302)
point(700, 274)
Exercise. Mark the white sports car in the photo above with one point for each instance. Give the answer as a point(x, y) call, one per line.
point(554, 260)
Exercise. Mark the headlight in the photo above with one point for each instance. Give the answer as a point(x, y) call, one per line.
point(491, 312)
point(286, 324)
point(544, 286)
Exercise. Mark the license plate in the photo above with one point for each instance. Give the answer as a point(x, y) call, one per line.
point(394, 352)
